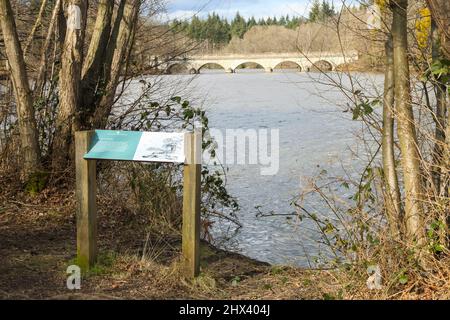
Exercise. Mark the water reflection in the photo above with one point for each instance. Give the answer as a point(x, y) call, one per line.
point(315, 136)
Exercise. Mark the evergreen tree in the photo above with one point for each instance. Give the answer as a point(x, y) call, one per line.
point(320, 12)
point(216, 30)
point(327, 10)
point(288, 20)
point(195, 30)
point(238, 26)
point(293, 23)
point(252, 22)
point(315, 12)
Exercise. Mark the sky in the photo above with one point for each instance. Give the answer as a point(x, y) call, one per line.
point(185, 9)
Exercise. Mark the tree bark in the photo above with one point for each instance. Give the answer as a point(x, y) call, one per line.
point(446, 174)
point(99, 40)
point(62, 25)
point(124, 39)
point(441, 106)
point(36, 25)
point(112, 43)
point(41, 79)
point(392, 198)
point(69, 84)
point(406, 127)
point(25, 109)
point(440, 11)
point(92, 73)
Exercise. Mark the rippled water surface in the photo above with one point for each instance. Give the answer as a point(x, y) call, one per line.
point(315, 135)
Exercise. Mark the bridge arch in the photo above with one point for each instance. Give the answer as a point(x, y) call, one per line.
point(288, 64)
point(178, 68)
point(249, 65)
point(211, 66)
point(322, 66)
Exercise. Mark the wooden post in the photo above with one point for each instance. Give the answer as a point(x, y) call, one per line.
point(191, 204)
point(86, 189)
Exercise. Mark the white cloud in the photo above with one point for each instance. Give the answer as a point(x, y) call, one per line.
point(181, 14)
point(185, 9)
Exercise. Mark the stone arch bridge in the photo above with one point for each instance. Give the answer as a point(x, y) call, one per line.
point(326, 61)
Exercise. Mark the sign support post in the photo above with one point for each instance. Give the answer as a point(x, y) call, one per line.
point(86, 190)
point(191, 203)
point(144, 147)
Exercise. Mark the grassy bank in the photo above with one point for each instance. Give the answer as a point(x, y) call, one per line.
point(37, 244)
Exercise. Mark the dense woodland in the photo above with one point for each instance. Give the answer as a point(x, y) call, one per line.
point(65, 67)
point(217, 32)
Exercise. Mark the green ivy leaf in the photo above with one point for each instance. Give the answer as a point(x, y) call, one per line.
point(176, 99)
point(188, 114)
point(437, 248)
point(403, 279)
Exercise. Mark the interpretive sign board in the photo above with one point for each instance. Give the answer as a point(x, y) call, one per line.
point(163, 147)
point(137, 146)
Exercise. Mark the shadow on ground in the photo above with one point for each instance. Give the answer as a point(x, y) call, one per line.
point(37, 244)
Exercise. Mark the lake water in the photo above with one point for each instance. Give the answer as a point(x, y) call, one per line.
point(315, 135)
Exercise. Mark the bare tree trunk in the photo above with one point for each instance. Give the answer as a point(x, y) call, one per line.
point(440, 91)
point(92, 73)
point(36, 25)
point(25, 109)
point(62, 25)
point(41, 79)
point(124, 39)
point(406, 127)
point(99, 40)
point(446, 174)
point(69, 84)
point(392, 198)
point(440, 11)
point(112, 43)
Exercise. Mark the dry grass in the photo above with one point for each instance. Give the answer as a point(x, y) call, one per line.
point(308, 37)
point(37, 244)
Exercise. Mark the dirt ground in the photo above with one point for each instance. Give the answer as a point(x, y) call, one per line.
point(38, 243)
